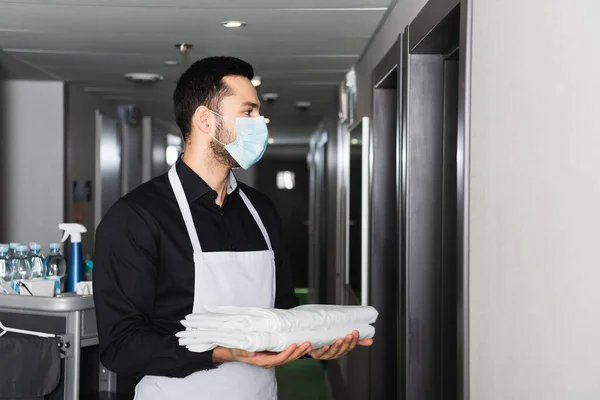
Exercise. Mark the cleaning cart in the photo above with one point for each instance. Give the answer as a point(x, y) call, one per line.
point(58, 334)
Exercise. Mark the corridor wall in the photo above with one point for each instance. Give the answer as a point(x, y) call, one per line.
point(32, 161)
point(535, 191)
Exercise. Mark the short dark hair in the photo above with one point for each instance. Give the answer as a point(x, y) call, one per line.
point(202, 85)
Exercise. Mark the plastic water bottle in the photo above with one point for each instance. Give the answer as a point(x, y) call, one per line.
point(36, 259)
point(21, 266)
point(6, 271)
point(12, 254)
point(12, 249)
point(56, 267)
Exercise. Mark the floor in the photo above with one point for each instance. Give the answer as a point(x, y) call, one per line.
point(302, 379)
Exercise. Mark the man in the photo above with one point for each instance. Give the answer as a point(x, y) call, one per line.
point(196, 237)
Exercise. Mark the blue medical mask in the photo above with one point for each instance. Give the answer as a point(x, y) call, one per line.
point(251, 140)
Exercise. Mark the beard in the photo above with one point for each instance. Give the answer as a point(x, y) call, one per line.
point(219, 153)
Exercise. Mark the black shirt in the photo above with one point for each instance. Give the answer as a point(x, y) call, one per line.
point(144, 269)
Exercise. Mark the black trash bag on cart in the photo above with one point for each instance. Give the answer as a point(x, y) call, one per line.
point(29, 366)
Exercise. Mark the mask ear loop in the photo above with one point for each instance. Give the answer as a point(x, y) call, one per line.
point(216, 113)
point(217, 140)
point(212, 137)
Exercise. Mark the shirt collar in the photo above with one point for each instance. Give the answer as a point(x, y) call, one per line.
point(195, 187)
point(231, 182)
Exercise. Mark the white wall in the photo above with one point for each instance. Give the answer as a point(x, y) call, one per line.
point(159, 148)
point(400, 16)
point(32, 154)
point(535, 200)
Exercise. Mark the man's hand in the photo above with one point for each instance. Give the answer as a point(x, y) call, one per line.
point(264, 359)
point(340, 347)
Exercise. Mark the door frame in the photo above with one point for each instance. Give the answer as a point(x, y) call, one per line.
point(364, 124)
point(428, 32)
point(384, 173)
point(316, 160)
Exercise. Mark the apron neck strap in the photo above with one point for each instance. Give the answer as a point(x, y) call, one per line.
point(184, 207)
point(256, 218)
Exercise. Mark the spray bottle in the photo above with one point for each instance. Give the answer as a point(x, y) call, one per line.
point(75, 262)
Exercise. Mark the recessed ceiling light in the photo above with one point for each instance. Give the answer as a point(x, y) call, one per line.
point(256, 81)
point(144, 77)
point(234, 24)
point(271, 140)
point(267, 120)
point(354, 141)
point(305, 105)
point(184, 47)
point(270, 97)
point(171, 62)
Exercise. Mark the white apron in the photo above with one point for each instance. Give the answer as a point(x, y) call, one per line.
point(222, 278)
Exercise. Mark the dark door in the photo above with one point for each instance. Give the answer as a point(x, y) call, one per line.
point(429, 207)
point(292, 206)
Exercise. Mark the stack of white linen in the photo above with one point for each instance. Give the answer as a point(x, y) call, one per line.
point(260, 329)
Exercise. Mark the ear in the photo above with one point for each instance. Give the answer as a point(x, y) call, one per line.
point(202, 120)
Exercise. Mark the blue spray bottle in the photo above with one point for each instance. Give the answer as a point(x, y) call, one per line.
point(75, 262)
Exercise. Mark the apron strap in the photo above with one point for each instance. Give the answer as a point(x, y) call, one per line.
point(256, 218)
point(184, 207)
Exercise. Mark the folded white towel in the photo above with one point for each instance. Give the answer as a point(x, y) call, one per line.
point(303, 318)
point(202, 340)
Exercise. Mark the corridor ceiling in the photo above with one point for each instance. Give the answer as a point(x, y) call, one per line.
point(301, 48)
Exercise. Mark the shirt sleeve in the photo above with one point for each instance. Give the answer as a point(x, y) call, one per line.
point(125, 271)
point(285, 297)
